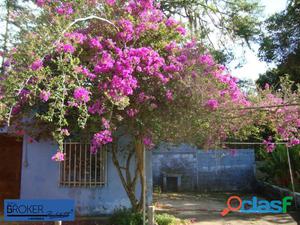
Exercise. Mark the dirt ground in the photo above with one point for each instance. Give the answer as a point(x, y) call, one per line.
point(205, 209)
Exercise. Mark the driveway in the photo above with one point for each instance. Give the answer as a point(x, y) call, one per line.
point(205, 209)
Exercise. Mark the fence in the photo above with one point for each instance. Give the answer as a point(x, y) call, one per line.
point(184, 168)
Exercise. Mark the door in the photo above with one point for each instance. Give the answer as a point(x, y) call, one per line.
point(10, 168)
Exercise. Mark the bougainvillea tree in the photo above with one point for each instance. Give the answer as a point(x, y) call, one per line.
point(104, 69)
point(279, 112)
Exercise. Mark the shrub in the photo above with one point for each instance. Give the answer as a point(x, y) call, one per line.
point(126, 216)
point(166, 219)
point(276, 167)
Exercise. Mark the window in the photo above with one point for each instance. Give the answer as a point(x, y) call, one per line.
point(81, 168)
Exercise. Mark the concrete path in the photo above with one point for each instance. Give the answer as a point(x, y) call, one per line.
point(205, 209)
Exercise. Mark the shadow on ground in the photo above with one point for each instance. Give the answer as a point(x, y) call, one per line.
point(205, 209)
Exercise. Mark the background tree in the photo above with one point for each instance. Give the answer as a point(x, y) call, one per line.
point(236, 20)
point(12, 18)
point(281, 45)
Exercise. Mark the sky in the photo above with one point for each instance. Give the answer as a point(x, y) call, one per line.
point(253, 66)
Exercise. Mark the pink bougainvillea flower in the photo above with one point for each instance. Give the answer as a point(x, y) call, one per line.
point(65, 132)
point(127, 30)
point(40, 3)
point(105, 64)
point(181, 30)
point(65, 9)
point(78, 69)
point(59, 156)
point(132, 112)
point(171, 22)
point(294, 141)
point(24, 95)
point(101, 138)
point(124, 86)
point(20, 132)
point(171, 46)
point(30, 140)
point(148, 142)
point(97, 107)
point(72, 104)
point(153, 106)
point(206, 59)
point(60, 11)
point(169, 95)
point(105, 123)
point(270, 146)
point(298, 123)
point(212, 104)
point(7, 63)
point(81, 94)
point(95, 43)
point(36, 65)
point(88, 74)
point(68, 48)
point(76, 37)
point(45, 95)
point(142, 97)
point(110, 2)
point(267, 86)
point(16, 109)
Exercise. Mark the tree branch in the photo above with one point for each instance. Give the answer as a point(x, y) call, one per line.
point(61, 35)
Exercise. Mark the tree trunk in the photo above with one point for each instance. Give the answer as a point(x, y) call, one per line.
point(129, 180)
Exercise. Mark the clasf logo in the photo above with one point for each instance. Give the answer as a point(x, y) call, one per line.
point(257, 205)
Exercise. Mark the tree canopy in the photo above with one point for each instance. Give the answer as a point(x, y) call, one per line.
point(281, 45)
point(232, 20)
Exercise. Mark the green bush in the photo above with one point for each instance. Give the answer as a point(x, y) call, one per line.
point(165, 219)
point(126, 216)
point(276, 167)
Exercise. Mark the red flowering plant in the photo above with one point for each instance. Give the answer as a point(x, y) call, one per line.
point(118, 66)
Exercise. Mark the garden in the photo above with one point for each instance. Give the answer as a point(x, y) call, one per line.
point(113, 79)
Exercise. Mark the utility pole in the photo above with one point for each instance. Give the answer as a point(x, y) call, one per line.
point(144, 186)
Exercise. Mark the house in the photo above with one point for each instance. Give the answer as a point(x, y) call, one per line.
point(27, 172)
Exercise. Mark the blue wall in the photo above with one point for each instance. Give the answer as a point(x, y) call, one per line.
point(202, 170)
point(40, 179)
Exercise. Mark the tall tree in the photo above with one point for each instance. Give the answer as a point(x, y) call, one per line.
point(281, 45)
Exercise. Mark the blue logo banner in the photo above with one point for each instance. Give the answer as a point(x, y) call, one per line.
point(39, 210)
